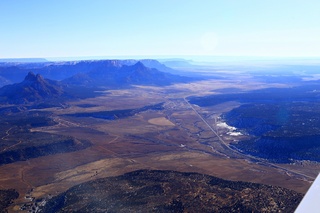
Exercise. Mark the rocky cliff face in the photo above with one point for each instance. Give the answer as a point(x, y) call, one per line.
point(170, 191)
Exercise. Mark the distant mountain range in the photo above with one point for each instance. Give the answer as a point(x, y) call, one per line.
point(16, 71)
point(118, 76)
point(108, 74)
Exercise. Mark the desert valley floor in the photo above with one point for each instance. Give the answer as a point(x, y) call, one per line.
point(167, 132)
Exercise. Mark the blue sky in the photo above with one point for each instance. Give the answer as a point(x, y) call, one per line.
point(70, 28)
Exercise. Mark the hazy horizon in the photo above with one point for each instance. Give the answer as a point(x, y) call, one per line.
point(196, 60)
point(59, 29)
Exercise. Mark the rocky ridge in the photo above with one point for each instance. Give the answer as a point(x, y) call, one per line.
point(170, 191)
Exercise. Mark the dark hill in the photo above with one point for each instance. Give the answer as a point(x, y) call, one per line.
point(169, 191)
point(34, 88)
point(6, 198)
